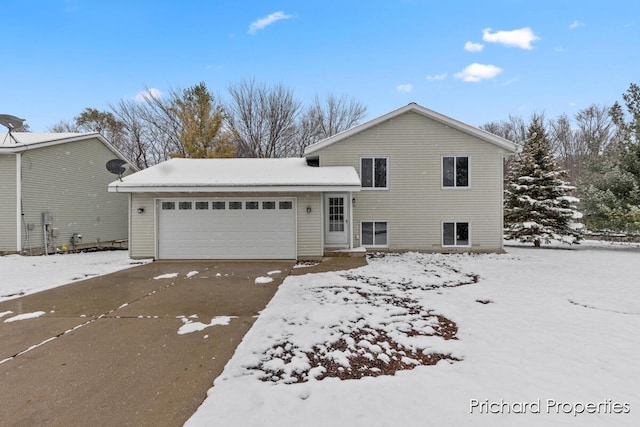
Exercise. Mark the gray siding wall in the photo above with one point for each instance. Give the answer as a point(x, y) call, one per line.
point(143, 226)
point(70, 181)
point(415, 205)
point(8, 202)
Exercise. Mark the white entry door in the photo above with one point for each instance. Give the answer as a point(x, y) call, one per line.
point(336, 219)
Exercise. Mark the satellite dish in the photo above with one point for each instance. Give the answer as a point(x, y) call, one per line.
point(11, 122)
point(117, 166)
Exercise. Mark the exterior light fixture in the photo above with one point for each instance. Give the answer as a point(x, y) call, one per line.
point(140, 210)
point(308, 209)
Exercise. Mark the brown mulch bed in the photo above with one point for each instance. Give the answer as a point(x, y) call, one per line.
point(388, 357)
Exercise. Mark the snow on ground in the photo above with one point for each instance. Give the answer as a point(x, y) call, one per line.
point(21, 275)
point(24, 316)
point(263, 280)
point(166, 276)
point(190, 326)
point(544, 337)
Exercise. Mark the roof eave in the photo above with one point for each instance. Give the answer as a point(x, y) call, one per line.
point(124, 188)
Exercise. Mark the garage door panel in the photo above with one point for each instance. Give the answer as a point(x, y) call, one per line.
point(227, 233)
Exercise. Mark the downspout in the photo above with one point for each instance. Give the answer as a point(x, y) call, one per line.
point(18, 202)
point(350, 204)
point(130, 220)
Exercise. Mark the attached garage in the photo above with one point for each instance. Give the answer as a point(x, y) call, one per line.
point(221, 228)
point(232, 208)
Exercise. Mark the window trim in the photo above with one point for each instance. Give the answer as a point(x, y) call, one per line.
point(374, 233)
point(455, 245)
point(455, 187)
point(374, 188)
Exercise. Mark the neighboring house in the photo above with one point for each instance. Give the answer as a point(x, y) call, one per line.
point(53, 186)
point(411, 179)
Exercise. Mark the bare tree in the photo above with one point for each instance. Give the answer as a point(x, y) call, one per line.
point(141, 148)
point(262, 119)
point(564, 144)
point(596, 129)
point(64, 126)
point(514, 129)
point(585, 139)
point(326, 117)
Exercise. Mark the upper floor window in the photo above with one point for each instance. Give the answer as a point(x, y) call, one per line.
point(373, 172)
point(455, 171)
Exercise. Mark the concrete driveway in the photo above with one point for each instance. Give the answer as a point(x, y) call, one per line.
point(107, 350)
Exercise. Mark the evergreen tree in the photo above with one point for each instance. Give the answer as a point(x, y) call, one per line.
point(611, 190)
point(201, 121)
point(538, 204)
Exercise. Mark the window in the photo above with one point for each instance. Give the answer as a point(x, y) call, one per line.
point(202, 206)
point(336, 214)
point(218, 205)
point(374, 233)
point(455, 171)
point(285, 205)
point(251, 205)
point(168, 206)
point(455, 234)
point(373, 172)
point(268, 205)
point(184, 206)
point(235, 205)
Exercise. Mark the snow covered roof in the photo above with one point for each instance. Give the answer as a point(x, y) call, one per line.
point(19, 142)
point(413, 107)
point(22, 139)
point(243, 175)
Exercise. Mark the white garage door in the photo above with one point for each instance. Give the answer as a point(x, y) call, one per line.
point(255, 228)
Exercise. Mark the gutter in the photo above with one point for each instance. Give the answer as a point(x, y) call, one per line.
point(232, 188)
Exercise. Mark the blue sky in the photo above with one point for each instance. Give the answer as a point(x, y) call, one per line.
point(474, 61)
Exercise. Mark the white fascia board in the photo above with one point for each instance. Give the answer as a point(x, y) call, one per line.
point(232, 189)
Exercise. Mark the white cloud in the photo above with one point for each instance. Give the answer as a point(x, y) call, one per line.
point(267, 20)
point(478, 72)
point(405, 88)
point(521, 38)
point(473, 47)
point(151, 93)
point(440, 76)
point(576, 24)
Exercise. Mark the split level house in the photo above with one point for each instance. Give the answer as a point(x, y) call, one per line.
point(412, 179)
point(53, 188)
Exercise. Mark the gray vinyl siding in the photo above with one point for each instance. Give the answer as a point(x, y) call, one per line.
point(143, 226)
point(415, 205)
point(8, 208)
point(70, 181)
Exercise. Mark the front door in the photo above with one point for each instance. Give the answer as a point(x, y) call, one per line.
point(336, 219)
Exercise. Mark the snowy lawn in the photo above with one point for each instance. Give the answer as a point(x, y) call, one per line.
point(22, 275)
point(533, 337)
